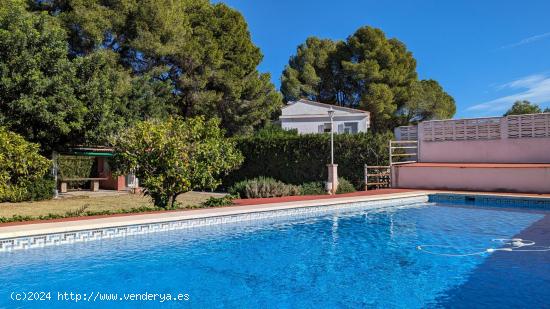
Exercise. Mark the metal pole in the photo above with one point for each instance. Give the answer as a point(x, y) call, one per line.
point(55, 169)
point(331, 140)
point(390, 153)
point(366, 177)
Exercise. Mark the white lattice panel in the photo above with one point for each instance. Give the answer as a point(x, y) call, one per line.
point(532, 125)
point(461, 129)
point(408, 133)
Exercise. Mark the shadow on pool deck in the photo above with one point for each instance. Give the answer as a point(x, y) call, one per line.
point(508, 275)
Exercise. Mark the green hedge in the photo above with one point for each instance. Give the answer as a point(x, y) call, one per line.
point(23, 171)
point(298, 159)
point(76, 166)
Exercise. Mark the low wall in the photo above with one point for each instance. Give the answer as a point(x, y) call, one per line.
point(511, 139)
point(491, 178)
point(524, 150)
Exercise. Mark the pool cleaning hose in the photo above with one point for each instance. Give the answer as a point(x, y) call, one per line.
point(508, 245)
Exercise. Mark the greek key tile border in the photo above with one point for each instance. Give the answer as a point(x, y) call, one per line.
point(40, 241)
point(491, 201)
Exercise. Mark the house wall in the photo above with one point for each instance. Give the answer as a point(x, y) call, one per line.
point(311, 124)
point(513, 179)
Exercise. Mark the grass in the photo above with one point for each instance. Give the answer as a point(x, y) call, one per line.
point(84, 205)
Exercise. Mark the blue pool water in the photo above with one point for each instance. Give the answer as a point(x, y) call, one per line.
point(355, 259)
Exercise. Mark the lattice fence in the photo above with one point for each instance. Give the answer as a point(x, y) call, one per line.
point(461, 129)
point(532, 125)
point(407, 133)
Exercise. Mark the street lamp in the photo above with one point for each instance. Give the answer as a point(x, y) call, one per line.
point(331, 115)
point(332, 168)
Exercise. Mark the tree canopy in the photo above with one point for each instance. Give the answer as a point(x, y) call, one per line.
point(174, 156)
point(75, 71)
point(525, 107)
point(367, 71)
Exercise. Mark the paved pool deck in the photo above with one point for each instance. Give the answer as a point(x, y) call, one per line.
point(33, 228)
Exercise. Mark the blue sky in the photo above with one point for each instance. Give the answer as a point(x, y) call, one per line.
point(486, 54)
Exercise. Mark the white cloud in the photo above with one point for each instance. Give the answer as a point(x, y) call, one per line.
point(528, 40)
point(535, 88)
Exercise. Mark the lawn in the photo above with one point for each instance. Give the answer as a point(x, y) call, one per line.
point(82, 204)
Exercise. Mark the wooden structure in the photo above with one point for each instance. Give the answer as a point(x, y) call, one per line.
point(100, 176)
point(377, 177)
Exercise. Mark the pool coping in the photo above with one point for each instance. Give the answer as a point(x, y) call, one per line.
point(45, 228)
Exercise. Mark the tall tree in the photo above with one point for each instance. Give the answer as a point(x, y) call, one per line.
point(37, 96)
point(203, 51)
point(523, 107)
point(367, 71)
point(427, 101)
point(309, 73)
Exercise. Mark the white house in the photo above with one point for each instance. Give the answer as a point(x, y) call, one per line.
point(312, 117)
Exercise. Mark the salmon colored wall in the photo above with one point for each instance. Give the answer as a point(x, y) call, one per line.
point(523, 150)
point(525, 180)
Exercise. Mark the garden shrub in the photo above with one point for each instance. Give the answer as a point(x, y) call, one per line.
point(263, 187)
point(175, 156)
point(301, 158)
point(22, 170)
point(344, 186)
point(218, 201)
point(76, 166)
point(41, 189)
point(313, 188)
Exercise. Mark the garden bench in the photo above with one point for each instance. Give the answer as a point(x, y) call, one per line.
point(94, 183)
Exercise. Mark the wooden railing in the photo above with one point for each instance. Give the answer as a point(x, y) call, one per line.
point(402, 152)
point(377, 177)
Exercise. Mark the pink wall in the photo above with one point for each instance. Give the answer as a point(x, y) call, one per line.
point(521, 150)
point(514, 179)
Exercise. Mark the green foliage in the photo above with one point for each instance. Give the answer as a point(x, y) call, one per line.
point(273, 130)
point(40, 189)
point(218, 201)
point(524, 107)
point(21, 168)
point(194, 56)
point(311, 72)
point(76, 72)
point(367, 71)
point(298, 159)
point(313, 188)
point(344, 186)
point(75, 166)
point(174, 156)
point(428, 101)
point(36, 76)
point(261, 187)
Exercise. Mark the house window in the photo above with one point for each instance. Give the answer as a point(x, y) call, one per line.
point(326, 127)
point(350, 127)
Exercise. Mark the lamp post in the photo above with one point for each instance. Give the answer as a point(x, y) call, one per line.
point(332, 168)
point(331, 115)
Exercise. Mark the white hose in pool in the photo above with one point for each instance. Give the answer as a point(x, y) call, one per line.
point(508, 245)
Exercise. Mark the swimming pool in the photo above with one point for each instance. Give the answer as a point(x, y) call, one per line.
point(388, 257)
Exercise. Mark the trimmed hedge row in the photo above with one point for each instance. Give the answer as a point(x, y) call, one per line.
point(298, 159)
